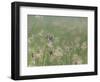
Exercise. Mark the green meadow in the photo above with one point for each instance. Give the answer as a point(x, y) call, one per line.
point(57, 40)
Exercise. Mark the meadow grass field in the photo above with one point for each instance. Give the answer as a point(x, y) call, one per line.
point(57, 40)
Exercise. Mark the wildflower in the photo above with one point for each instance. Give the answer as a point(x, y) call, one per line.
point(58, 52)
point(50, 44)
point(50, 40)
point(37, 56)
point(67, 48)
point(56, 55)
point(76, 59)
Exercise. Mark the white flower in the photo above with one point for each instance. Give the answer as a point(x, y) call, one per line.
point(76, 59)
point(67, 48)
point(58, 52)
point(50, 44)
point(37, 56)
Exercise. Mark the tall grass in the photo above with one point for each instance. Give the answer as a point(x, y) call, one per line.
point(68, 45)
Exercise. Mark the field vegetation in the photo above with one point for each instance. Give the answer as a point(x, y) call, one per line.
point(57, 40)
